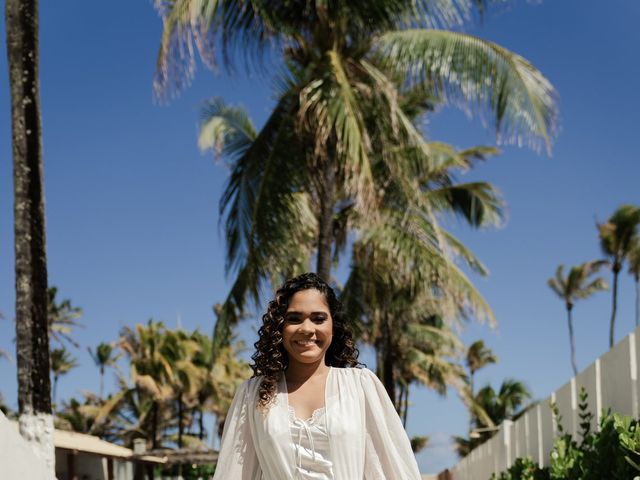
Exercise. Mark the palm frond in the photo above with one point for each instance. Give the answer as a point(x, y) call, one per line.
point(225, 129)
point(466, 70)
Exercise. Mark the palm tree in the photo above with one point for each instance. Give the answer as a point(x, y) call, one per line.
point(62, 318)
point(32, 341)
point(151, 371)
point(477, 357)
point(103, 356)
point(61, 363)
point(345, 68)
point(634, 270)
point(616, 240)
point(498, 406)
point(577, 285)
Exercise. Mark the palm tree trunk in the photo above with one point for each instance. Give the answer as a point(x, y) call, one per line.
point(154, 426)
point(325, 220)
point(616, 270)
point(572, 341)
point(55, 387)
point(637, 278)
point(201, 424)
point(180, 425)
point(101, 381)
point(471, 387)
point(405, 406)
point(32, 338)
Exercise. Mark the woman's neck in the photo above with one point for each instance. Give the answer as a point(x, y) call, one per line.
point(300, 372)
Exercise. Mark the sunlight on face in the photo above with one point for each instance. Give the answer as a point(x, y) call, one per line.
point(308, 327)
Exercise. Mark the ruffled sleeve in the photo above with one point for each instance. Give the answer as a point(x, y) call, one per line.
point(388, 454)
point(237, 459)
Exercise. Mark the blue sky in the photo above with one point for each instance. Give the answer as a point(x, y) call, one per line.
point(131, 203)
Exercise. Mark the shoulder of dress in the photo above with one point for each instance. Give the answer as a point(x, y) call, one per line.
point(352, 372)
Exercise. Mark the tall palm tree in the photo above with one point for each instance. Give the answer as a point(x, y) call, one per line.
point(103, 356)
point(616, 240)
point(578, 284)
point(62, 317)
point(634, 270)
point(477, 356)
point(32, 341)
point(61, 363)
point(345, 67)
point(228, 131)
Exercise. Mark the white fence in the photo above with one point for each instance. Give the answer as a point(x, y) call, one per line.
point(610, 382)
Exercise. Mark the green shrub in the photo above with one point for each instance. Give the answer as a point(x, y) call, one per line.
point(524, 469)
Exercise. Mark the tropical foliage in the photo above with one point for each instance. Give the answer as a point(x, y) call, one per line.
point(62, 318)
point(578, 284)
point(617, 240)
point(61, 362)
point(103, 356)
point(491, 408)
point(170, 385)
point(354, 82)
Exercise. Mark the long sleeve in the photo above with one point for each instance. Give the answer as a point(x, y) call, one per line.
point(237, 459)
point(388, 454)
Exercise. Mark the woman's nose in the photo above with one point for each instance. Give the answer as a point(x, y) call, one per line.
point(306, 326)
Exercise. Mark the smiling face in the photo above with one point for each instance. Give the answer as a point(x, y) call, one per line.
point(308, 327)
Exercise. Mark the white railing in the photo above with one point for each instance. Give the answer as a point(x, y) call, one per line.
point(611, 382)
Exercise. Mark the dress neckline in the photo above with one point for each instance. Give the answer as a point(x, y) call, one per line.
point(317, 413)
point(313, 419)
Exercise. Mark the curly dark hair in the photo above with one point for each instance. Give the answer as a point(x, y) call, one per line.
point(271, 359)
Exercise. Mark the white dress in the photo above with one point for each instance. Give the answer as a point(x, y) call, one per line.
point(363, 435)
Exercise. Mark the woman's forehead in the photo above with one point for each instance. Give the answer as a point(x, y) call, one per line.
point(310, 300)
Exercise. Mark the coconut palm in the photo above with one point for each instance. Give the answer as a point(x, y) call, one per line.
point(32, 341)
point(345, 68)
point(505, 404)
point(477, 357)
point(616, 241)
point(62, 317)
point(221, 379)
point(427, 183)
point(151, 371)
point(61, 363)
point(103, 356)
point(634, 270)
point(577, 285)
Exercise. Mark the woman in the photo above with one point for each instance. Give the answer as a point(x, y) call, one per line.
point(307, 413)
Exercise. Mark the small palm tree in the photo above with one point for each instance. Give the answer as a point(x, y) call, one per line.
point(477, 357)
point(577, 285)
point(616, 240)
point(61, 363)
point(103, 356)
point(505, 404)
point(634, 270)
point(62, 318)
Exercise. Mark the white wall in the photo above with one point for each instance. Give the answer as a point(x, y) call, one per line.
point(17, 460)
point(611, 382)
